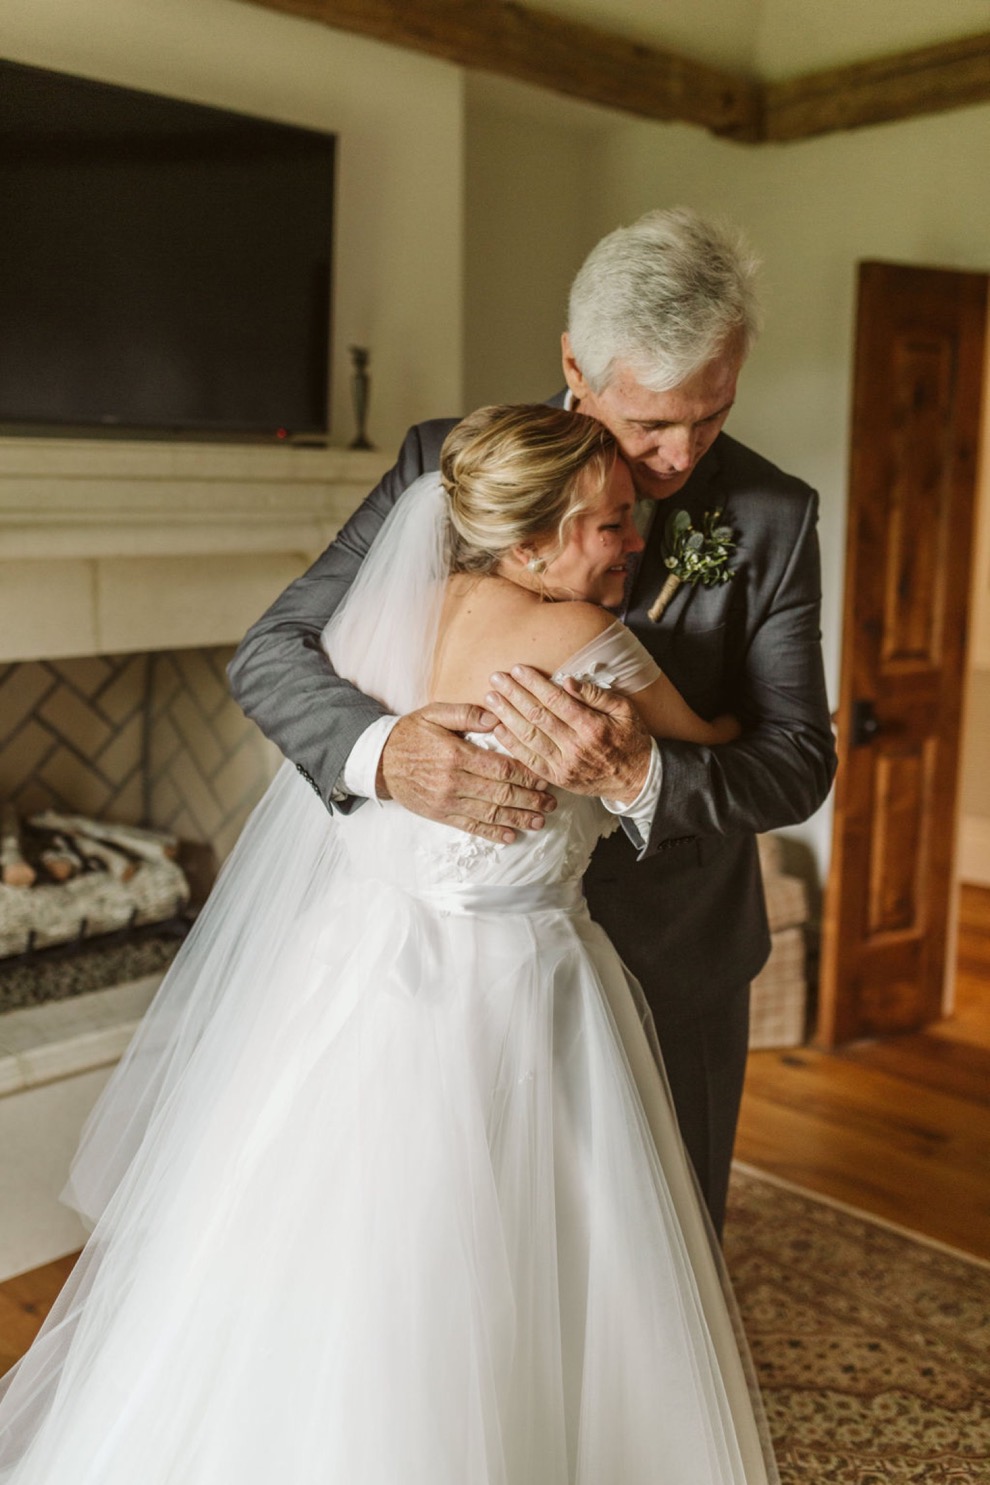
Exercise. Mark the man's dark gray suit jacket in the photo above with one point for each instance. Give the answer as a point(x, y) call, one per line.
point(685, 911)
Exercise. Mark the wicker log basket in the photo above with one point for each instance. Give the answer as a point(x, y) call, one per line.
point(779, 1005)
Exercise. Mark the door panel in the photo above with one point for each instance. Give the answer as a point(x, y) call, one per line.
point(916, 420)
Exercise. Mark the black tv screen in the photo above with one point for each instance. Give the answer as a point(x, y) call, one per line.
point(164, 267)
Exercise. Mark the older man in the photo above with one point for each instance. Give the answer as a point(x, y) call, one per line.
point(662, 315)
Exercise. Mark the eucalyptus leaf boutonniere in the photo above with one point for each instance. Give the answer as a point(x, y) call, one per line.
point(694, 556)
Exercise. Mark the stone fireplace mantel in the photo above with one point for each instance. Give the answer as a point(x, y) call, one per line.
point(109, 547)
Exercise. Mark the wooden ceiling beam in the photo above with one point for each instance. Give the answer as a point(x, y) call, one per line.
point(565, 56)
point(515, 40)
point(930, 79)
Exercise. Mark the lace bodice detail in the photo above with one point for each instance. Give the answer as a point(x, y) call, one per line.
point(386, 842)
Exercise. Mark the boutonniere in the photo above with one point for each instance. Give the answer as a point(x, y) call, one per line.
point(694, 556)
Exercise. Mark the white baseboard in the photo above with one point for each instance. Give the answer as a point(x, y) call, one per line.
point(973, 856)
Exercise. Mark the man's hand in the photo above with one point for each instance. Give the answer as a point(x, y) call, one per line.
point(585, 739)
point(431, 771)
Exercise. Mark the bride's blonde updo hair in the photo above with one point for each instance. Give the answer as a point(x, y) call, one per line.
point(512, 475)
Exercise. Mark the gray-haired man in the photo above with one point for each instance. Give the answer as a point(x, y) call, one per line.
point(662, 315)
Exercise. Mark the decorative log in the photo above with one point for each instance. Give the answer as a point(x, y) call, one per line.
point(120, 867)
point(90, 904)
point(15, 870)
point(150, 845)
point(60, 860)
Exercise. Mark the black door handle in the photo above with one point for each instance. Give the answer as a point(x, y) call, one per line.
point(864, 724)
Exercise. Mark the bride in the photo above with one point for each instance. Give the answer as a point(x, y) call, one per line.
point(388, 1190)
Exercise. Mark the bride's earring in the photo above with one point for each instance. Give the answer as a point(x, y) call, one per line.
point(536, 564)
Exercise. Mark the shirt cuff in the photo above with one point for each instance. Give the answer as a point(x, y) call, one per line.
point(640, 813)
point(360, 771)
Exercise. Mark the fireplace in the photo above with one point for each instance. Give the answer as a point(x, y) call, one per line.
point(128, 572)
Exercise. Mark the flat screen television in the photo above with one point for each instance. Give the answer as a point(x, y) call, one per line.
point(165, 267)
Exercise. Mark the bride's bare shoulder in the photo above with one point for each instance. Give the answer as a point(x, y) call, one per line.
point(571, 626)
point(491, 625)
point(514, 608)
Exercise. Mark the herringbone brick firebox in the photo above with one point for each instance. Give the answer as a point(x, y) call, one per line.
point(148, 739)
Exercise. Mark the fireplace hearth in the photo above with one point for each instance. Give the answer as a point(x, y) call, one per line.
point(89, 965)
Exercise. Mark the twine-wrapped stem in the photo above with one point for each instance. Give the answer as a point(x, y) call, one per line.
point(662, 599)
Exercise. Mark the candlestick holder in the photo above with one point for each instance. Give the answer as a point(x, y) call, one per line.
point(360, 395)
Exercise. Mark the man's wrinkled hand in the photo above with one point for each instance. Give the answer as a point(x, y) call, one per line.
point(577, 736)
point(429, 769)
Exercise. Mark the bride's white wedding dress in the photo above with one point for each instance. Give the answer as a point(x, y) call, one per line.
point(402, 1204)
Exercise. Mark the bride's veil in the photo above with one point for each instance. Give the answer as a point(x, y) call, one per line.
point(241, 947)
point(381, 637)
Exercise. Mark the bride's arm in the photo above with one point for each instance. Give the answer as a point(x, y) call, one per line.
point(602, 648)
point(555, 724)
point(667, 715)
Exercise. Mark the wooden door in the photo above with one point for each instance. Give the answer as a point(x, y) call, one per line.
point(916, 420)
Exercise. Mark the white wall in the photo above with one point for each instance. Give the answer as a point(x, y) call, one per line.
point(399, 120)
point(529, 220)
point(913, 192)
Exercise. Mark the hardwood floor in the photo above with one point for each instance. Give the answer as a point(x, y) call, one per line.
point(24, 1303)
point(900, 1128)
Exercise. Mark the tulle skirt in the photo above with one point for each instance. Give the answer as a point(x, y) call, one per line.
point(412, 1210)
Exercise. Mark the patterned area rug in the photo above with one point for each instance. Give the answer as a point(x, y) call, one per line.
point(872, 1347)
